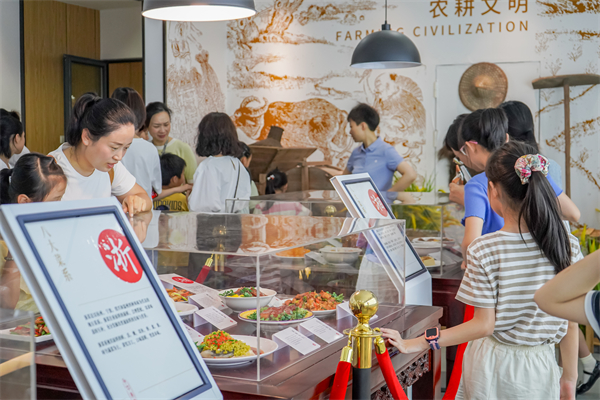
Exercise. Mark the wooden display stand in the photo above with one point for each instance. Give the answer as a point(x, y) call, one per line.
point(265, 159)
point(566, 81)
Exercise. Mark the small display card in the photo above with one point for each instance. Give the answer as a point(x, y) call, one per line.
point(275, 302)
point(171, 280)
point(296, 340)
point(206, 300)
point(194, 334)
point(214, 317)
point(319, 328)
point(343, 310)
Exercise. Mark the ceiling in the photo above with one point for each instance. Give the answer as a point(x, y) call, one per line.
point(105, 4)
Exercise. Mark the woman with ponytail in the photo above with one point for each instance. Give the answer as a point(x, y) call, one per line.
point(98, 135)
point(35, 178)
point(12, 137)
point(510, 354)
point(521, 128)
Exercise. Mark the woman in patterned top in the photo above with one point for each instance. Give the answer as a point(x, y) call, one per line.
point(510, 354)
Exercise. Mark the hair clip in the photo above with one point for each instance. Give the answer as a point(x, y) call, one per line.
point(270, 177)
point(529, 163)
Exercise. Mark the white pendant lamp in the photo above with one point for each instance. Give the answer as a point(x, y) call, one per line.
point(197, 10)
point(385, 49)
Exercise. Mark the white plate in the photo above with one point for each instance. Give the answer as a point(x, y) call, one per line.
point(266, 346)
point(295, 321)
point(5, 334)
point(322, 312)
point(239, 304)
point(184, 309)
point(422, 243)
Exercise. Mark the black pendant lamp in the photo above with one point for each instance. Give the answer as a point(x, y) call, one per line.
point(197, 10)
point(385, 49)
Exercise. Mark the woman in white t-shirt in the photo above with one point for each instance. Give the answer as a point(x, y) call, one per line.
point(12, 137)
point(221, 176)
point(100, 132)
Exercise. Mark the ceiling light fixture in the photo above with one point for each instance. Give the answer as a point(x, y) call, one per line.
point(385, 49)
point(197, 10)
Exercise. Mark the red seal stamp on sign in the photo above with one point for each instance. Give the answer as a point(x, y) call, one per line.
point(377, 203)
point(119, 257)
point(181, 279)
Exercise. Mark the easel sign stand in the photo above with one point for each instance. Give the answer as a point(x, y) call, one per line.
point(566, 81)
point(265, 159)
point(103, 301)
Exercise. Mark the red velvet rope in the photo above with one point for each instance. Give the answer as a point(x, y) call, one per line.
point(385, 363)
point(457, 369)
point(340, 383)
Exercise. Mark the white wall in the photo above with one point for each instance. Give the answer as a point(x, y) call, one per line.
point(10, 56)
point(121, 33)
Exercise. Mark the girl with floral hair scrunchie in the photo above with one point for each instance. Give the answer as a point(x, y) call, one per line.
point(510, 354)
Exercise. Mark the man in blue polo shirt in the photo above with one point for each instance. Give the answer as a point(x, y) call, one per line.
point(375, 156)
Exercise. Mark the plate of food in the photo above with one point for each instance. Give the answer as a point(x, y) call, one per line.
point(22, 332)
point(432, 242)
point(321, 303)
point(429, 261)
point(340, 255)
point(244, 298)
point(178, 295)
point(185, 309)
point(221, 348)
point(293, 254)
point(284, 315)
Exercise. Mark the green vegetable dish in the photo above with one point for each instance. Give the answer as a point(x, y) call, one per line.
point(284, 313)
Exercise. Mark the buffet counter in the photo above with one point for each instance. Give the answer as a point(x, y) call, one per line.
point(311, 378)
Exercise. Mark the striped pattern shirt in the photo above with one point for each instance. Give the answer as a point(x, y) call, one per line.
point(503, 272)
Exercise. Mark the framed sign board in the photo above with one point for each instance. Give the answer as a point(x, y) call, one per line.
point(363, 200)
point(106, 308)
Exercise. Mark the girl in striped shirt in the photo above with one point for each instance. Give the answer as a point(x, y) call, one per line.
point(510, 354)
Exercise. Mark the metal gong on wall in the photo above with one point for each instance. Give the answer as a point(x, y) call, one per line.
point(483, 85)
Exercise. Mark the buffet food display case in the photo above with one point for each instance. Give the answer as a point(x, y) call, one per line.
point(433, 223)
point(297, 271)
point(17, 354)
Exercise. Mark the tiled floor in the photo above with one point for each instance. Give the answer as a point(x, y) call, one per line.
point(594, 393)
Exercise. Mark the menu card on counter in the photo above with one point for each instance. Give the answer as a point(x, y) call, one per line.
point(319, 328)
point(275, 302)
point(296, 340)
point(103, 302)
point(196, 336)
point(206, 300)
point(213, 316)
point(185, 283)
point(343, 310)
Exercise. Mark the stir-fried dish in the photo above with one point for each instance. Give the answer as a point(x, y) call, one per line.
point(178, 294)
point(242, 292)
point(220, 344)
point(297, 252)
point(290, 312)
point(313, 301)
point(40, 328)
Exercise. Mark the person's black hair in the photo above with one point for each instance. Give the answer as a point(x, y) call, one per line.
point(364, 113)
point(451, 140)
point(217, 135)
point(171, 165)
point(99, 116)
point(520, 122)
point(34, 175)
point(134, 101)
point(488, 127)
point(156, 108)
point(245, 150)
point(10, 127)
point(535, 201)
point(275, 180)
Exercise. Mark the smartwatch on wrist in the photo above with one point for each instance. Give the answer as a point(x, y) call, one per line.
point(432, 335)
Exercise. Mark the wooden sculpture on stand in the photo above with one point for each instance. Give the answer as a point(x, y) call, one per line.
point(566, 81)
